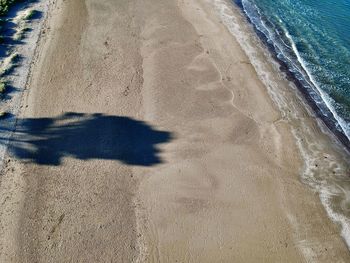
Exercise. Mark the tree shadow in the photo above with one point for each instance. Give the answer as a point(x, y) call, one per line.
point(46, 141)
point(8, 27)
point(10, 90)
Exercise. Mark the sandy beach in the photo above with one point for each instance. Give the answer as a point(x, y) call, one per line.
point(147, 134)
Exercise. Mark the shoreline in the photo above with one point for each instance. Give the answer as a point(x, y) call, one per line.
point(308, 238)
point(330, 123)
point(330, 134)
point(226, 187)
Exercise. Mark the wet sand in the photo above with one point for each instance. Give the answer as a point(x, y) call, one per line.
point(147, 136)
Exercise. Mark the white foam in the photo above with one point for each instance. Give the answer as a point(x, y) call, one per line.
point(325, 98)
point(325, 189)
point(313, 154)
point(320, 97)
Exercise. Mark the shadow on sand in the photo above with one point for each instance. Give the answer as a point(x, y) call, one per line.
point(8, 27)
point(46, 141)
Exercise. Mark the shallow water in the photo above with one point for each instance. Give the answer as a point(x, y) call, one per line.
point(313, 39)
point(326, 165)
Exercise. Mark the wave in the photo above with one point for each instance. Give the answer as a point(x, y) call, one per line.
point(283, 45)
point(323, 172)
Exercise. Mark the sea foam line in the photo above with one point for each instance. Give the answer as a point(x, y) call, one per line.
point(314, 87)
point(326, 188)
point(325, 98)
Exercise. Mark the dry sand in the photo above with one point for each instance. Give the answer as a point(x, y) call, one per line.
point(146, 136)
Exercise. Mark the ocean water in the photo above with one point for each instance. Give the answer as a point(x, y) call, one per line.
point(312, 43)
point(312, 39)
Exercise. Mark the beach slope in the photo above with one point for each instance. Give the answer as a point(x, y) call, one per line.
point(146, 136)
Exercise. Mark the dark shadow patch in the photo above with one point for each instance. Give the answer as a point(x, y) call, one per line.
point(34, 14)
point(8, 28)
point(13, 65)
point(7, 95)
point(46, 141)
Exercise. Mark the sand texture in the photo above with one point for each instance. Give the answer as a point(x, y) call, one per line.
point(147, 136)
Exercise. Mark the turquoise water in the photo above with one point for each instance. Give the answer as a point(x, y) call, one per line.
point(313, 39)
